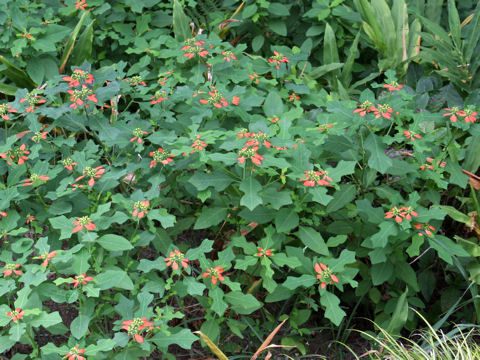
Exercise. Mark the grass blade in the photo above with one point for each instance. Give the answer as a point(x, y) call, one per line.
point(71, 42)
point(268, 340)
point(181, 27)
point(218, 353)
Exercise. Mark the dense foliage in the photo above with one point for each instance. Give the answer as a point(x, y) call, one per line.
point(162, 181)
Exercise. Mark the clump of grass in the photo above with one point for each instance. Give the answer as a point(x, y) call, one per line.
point(429, 344)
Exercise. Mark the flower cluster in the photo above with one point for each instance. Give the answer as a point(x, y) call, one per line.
point(16, 314)
point(34, 178)
point(18, 155)
point(4, 110)
point(429, 164)
point(69, 163)
point(426, 228)
point(313, 177)
point(160, 156)
point(401, 213)
point(81, 222)
point(467, 114)
point(136, 81)
point(75, 354)
point(92, 173)
point(198, 145)
point(264, 252)
point(140, 208)
point(383, 110)
point(10, 269)
point(254, 77)
point(293, 97)
point(228, 56)
point(411, 135)
point(80, 5)
point(193, 47)
point(215, 273)
point(33, 100)
point(46, 257)
point(158, 97)
point(325, 275)
point(176, 259)
point(138, 134)
point(39, 136)
point(393, 86)
point(79, 77)
point(216, 98)
point(277, 59)
point(135, 327)
point(81, 279)
point(78, 96)
point(363, 108)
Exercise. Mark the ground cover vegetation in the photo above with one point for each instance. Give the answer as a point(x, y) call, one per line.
point(236, 179)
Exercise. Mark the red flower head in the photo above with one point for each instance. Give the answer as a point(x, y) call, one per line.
point(81, 279)
point(30, 218)
point(39, 136)
point(400, 214)
point(277, 59)
point(136, 326)
point(250, 153)
point(193, 47)
point(75, 354)
point(293, 97)
point(19, 155)
point(78, 97)
point(325, 275)
point(216, 99)
point(4, 110)
point(254, 77)
point(46, 257)
point(177, 258)
point(454, 111)
point(16, 315)
point(81, 222)
point(92, 173)
point(158, 97)
point(3, 213)
point(140, 208)
point(424, 227)
point(228, 56)
point(10, 269)
point(138, 134)
point(215, 273)
point(33, 100)
point(384, 110)
point(264, 252)
point(79, 76)
point(35, 178)
point(470, 116)
point(80, 5)
point(69, 163)
point(393, 86)
point(364, 108)
point(160, 156)
point(313, 178)
point(235, 100)
point(411, 135)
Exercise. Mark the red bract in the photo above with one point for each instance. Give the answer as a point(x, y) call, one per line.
point(33, 100)
point(194, 47)
point(78, 77)
point(160, 156)
point(39, 136)
point(80, 5)
point(426, 228)
point(470, 116)
point(264, 252)
point(74, 354)
point(16, 314)
point(235, 100)
point(216, 99)
point(429, 165)
point(393, 86)
point(325, 127)
point(325, 275)
point(3, 213)
point(384, 110)
point(138, 134)
point(215, 273)
point(10, 269)
point(140, 208)
point(135, 327)
point(69, 164)
point(228, 56)
point(158, 97)
point(277, 59)
point(4, 110)
point(400, 214)
point(35, 178)
point(92, 173)
point(411, 135)
point(176, 259)
point(30, 218)
point(81, 279)
point(78, 97)
point(198, 144)
point(293, 97)
point(364, 108)
point(18, 155)
point(81, 222)
point(454, 111)
point(250, 153)
point(46, 257)
point(254, 77)
point(313, 178)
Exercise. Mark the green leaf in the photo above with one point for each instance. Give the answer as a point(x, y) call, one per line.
point(294, 282)
point(167, 220)
point(333, 311)
point(313, 240)
point(218, 305)
point(381, 272)
point(241, 303)
point(184, 338)
point(83, 48)
point(217, 179)
point(64, 225)
point(287, 219)
point(113, 242)
point(46, 319)
point(278, 26)
point(330, 49)
point(377, 159)
point(399, 316)
point(17, 75)
point(71, 42)
point(114, 278)
point(273, 105)
point(210, 216)
point(181, 27)
point(275, 197)
point(257, 42)
point(454, 23)
point(345, 195)
point(250, 187)
point(380, 239)
point(324, 69)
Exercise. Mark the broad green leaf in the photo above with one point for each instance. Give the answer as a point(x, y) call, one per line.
point(273, 105)
point(46, 319)
point(71, 42)
point(286, 220)
point(64, 225)
point(377, 159)
point(210, 216)
point(184, 338)
point(181, 27)
point(83, 48)
point(241, 303)
point(333, 311)
point(251, 188)
point(112, 242)
point(313, 240)
point(218, 180)
point(400, 315)
point(345, 195)
point(381, 272)
point(167, 220)
point(218, 305)
point(454, 23)
point(294, 282)
point(114, 278)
